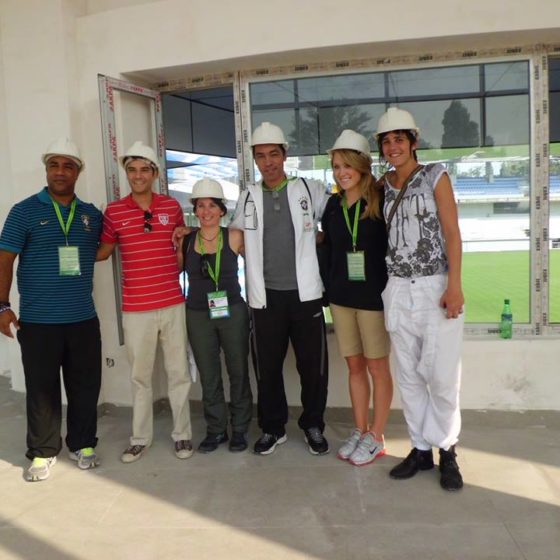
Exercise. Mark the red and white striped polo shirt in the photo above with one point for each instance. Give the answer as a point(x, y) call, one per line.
point(150, 271)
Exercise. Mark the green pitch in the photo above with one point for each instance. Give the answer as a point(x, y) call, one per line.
point(488, 278)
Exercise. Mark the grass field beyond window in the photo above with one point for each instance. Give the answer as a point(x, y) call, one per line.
point(489, 278)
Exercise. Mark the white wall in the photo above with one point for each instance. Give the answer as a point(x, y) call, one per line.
point(52, 50)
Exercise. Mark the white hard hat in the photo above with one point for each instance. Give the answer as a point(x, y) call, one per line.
point(350, 140)
point(396, 119)
point(268, 133)
point(63, 146)
point(207, 188)
point(140, 150)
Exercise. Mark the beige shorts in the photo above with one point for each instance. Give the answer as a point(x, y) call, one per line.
point(360, 331)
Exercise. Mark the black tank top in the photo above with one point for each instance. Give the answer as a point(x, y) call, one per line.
point(199, 284)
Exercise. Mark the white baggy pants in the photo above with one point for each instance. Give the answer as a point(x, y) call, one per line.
point(427, 350)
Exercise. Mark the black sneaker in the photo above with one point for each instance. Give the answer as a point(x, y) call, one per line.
point(238, 442)
point(211, 441)
point(451, 478)
point(267, 443)
point(316, 441)
point(416, 460)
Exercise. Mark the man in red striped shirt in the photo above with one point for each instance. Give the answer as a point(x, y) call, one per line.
point(153, 305)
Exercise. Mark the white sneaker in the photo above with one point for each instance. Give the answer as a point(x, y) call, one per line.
point(86, 458)
point(349, 446)
point(367, 450)
point(40, 468)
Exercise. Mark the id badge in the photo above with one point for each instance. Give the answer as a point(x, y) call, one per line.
point(308, 224)
point(69, 261)
point(356, 266)
point(250, 215)
point(218, 305)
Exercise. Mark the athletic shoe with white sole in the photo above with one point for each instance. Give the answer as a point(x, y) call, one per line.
point(316, 442)
point(267, 443)
point(133, 453)
point(86, 458)
point(349, 446)
point(367, 451)
point(40, 468)
point(183, 449)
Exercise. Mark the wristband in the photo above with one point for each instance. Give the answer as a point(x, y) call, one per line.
point(4, 307)
point(4, 304)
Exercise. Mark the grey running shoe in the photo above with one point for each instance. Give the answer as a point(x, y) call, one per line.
point(86, 458)
point(40, 468)
point(132, 453)
point(349, 446)
point(367, 451)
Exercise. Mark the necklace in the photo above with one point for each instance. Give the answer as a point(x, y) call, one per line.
point(208, 238)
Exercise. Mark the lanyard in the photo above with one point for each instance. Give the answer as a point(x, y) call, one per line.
point(214, 275)
point(277, 188)
point(352, 231)
point(65, 226)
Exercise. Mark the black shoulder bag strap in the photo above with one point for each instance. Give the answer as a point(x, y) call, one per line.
point(400, 196)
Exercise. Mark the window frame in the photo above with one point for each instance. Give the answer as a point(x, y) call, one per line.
point(537, 57)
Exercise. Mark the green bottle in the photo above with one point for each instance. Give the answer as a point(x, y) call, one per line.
point(506, 323)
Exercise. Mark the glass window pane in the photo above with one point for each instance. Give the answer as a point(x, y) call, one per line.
point(491, 179)
point(554, 193)
point(554, 116)
point(554, 233)
point(492, 189)
point(340, 88)
point(434, 81)
point(304, 140)
point(506, 76)
point(554, 74)
point(361, 118)
point(266, 93)
point(507, 120)
point(449, 124)
point(299, 125)
point(284, 118)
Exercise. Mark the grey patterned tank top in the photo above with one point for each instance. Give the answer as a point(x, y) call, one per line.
point(416, 245)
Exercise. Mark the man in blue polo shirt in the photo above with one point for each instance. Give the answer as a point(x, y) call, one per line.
point(55, 237)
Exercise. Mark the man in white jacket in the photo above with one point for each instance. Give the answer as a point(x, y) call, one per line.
point(278, 216)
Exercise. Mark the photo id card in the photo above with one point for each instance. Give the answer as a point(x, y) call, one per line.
point(356, 266)
point(69, 261)
point(218, 305)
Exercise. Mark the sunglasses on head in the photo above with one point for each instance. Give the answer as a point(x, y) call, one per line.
point(147, 217)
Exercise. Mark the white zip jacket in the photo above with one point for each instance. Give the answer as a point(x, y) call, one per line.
point(305, 215)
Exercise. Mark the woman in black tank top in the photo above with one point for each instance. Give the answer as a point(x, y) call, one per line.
point(217, 318)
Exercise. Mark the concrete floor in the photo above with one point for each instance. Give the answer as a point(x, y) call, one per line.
point(290, 505)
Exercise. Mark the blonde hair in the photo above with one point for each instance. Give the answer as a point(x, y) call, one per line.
point(369, 189)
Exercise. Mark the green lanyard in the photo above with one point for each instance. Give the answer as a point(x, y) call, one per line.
point(214, 275)
point(352, 231)
point(277, 188)
point(65, 226)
